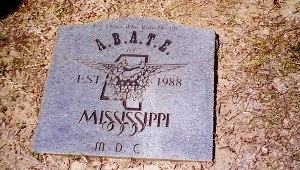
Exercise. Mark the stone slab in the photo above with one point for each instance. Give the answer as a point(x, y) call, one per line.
point(130, 87)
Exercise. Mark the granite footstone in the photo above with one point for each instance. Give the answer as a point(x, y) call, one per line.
point(130, 87)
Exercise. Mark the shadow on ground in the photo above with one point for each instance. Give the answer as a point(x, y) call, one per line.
point(8, 7)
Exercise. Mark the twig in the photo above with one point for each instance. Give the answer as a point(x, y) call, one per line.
point(26, 49)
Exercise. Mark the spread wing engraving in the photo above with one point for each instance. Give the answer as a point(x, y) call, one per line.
point(127, 79)
point(105, 67)
point(154, 69)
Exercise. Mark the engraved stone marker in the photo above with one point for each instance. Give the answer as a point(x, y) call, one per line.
point(133, 87)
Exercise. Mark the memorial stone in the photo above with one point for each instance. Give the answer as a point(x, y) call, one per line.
point(130, 87)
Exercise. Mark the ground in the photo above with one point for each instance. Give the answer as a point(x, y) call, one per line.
point(257, 105)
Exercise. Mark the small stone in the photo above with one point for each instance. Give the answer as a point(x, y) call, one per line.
point(246, 113)
point(151, 167)
point(279, 85)
point(266, 31)
point(285, 121)
point(265, 150)
point(77, 166)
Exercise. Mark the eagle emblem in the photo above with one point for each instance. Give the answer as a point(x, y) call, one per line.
point(128, 77)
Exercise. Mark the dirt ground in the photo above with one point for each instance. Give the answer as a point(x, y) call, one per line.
point(258, 91)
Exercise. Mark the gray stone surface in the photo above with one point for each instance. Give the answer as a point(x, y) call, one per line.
point(133, 87)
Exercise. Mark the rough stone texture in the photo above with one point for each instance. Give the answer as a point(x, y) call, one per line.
point(130, 98)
